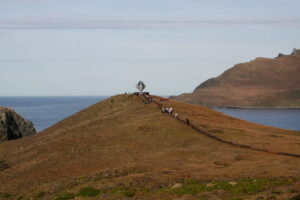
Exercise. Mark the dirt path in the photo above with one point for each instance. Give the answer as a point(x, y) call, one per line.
point(188, 123)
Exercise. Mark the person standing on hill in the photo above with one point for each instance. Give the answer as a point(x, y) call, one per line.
point(187, 121)
point(176, 116)
point(170, 111)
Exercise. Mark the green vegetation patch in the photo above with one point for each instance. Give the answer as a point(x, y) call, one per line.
point(233, 189)
point(88, 192)
point(228, 190)
point(296, 197)
point(123, 191)
point(253, 186)
point(6, 195)
point(84, 192)
point(40, 195)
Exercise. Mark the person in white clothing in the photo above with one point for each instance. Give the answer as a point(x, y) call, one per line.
point(176, 115)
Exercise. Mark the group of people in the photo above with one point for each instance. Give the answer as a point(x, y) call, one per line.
point(163, 109)
point(167, 110)
point(149, 99)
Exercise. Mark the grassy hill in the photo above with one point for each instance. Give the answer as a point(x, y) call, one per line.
point(121, 148)
point(262, 82)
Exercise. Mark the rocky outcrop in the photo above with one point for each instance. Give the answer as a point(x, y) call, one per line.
point(295, 52)
point(13, 126)
point(260, 83)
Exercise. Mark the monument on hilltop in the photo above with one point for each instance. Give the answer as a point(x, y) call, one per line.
point(140, 86)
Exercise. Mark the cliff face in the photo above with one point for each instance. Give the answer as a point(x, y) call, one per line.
point(13, 126)
point(263, 82)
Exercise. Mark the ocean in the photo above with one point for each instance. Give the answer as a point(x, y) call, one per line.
point(281, 118)
point(46, 111)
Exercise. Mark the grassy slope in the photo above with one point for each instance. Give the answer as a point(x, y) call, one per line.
point(262, 82)
point(122, 140)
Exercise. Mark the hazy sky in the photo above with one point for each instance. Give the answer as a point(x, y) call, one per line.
point(103, 47)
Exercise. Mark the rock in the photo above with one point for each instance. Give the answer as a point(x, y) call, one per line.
point(280, 55)
point(177, 185)
point(13, 126)
point(232, 183)
point(295, 52)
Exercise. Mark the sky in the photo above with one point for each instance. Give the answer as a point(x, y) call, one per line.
point(104, 47)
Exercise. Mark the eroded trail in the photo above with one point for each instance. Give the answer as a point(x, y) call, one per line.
point(201, 131)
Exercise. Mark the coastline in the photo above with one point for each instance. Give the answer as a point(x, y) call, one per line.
point(237, 107)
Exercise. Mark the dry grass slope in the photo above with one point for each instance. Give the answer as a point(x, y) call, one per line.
point(262, 82)
point(122, 148)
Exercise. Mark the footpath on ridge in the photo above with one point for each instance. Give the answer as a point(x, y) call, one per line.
point(188, 123)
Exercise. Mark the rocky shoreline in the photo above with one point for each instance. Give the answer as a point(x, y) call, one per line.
point(14, 126)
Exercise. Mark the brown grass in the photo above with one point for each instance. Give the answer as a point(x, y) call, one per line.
point(262, 83)
point(123, 140)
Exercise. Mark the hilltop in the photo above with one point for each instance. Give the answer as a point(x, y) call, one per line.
point(122, 148)
point(260, 83)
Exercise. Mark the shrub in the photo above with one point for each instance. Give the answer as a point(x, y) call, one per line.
point(40, 194)
point(123, 190)
point(293, 191)
point(296, 197)
point(5, 195)
point(190, 181)
point(88, 192)
point(129, 193)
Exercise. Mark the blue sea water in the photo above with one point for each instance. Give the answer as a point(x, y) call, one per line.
point(281, 118)
point(46, 111)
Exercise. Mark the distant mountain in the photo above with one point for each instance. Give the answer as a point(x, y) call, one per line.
point(126, 148)
point(263, 82)
point(14, 126)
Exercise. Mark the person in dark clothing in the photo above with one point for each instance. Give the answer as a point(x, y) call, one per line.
point(187, 121)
